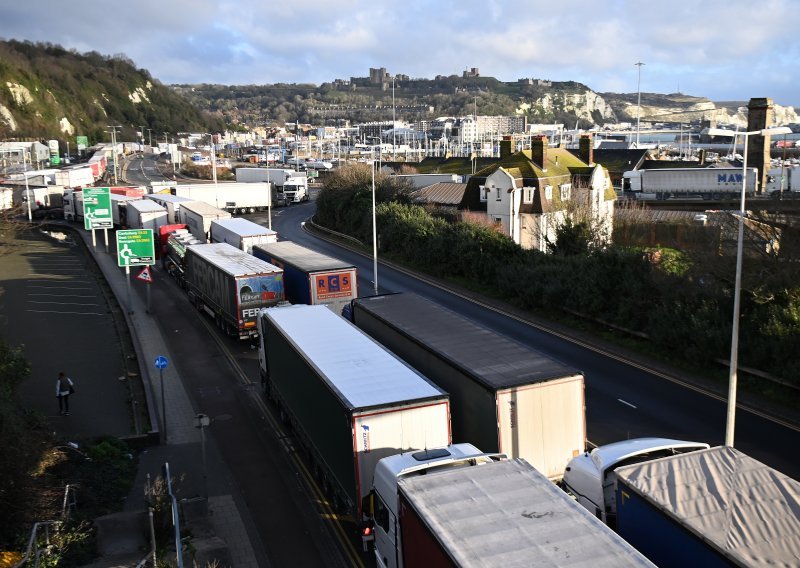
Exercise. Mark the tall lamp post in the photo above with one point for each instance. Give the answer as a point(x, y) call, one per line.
point(638, 100)
point(737, 288)
point(374, 235)
point(114, 148)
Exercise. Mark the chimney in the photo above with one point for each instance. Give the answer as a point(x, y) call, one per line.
point(586, 149)
point(505, 147)
point(760, 115)
point(539, 151)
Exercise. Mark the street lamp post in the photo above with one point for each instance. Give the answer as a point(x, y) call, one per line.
point(27, 189)
point(737, 288)
point(374, 234)
point(114, 148)
point(638, 100)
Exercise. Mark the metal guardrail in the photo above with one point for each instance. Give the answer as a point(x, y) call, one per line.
point(33, 542)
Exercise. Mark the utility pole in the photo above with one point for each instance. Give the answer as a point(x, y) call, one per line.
point(638, 101)
point(394, 125)
point(114, 148)
point(150, 136)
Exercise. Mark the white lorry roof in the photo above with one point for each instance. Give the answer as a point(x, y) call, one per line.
point(360, 370)
point(203, 208)
point(145, 206)
point(741, 507)
point(232, 260)
point(305, 259)
point(243, 227)
point(168, 198)
point(515, 517)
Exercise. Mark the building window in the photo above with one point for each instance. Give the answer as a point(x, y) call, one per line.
point(498, 221)
point(527, 194)
point(483, 192)
point(498, 194)
point(548, 192)
point(565, 190)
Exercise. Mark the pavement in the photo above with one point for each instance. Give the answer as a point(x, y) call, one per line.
point(183, 446)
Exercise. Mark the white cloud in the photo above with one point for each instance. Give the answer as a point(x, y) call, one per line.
point(723, 49)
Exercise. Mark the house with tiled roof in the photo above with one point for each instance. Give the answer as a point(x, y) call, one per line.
point(530, 193)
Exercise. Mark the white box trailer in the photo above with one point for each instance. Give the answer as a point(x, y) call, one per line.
point(78, 176)
point(6, 198)
point(197, 215)
point(350, 401)
point(172, 203)
point(241, 233)
point(119, 208)
point(145, 214)
point(233, 197)
point(506, 397)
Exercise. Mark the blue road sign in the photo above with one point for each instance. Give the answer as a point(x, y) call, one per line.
point(161, 362)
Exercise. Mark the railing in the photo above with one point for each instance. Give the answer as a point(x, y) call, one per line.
point(33, 542)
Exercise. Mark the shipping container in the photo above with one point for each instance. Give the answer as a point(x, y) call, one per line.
point(506, 397)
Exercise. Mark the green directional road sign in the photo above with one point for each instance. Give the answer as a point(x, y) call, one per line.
point(97, 208)
point(135, 247)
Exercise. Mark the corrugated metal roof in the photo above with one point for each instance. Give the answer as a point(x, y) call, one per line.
point(490, 358)
point(743, 508)
point(364, 373)
point(232, 260)
point(515, 517)
point(442, 193)
point(301, 257)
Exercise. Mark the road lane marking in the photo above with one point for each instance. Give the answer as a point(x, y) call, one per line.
point(626, 403)
point(61, 303)
point(62, 295)
point(68, 313)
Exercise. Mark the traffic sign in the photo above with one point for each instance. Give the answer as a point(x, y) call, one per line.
point(97, 208)
point(161, 362)
point(145, 275)
point(135, 247)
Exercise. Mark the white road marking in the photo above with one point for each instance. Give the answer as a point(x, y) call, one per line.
point(62, 295)
point(62, 303)
point(71, 313)
point(626, 403)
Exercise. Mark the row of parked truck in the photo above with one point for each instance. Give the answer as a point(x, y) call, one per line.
point(377, 402)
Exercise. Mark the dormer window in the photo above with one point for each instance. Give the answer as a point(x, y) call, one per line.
point(565, 191)
point(548, 192)
point(527, 194)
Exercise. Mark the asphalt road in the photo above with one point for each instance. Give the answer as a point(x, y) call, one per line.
point(623, 401)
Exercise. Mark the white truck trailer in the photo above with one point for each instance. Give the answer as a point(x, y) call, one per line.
point(349, 400)
point(241, 233)
point(145, 214)
point(505, 396)
point(172, 203)
point(233, 197)
point(293, 185)
point(197, 215)
point(456, 506)
point(688, 183)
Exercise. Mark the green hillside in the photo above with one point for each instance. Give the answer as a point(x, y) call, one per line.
point(48, 92)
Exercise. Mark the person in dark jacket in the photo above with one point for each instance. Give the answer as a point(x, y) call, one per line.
point(64, 388)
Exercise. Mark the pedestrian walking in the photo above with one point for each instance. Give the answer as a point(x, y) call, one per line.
point(64, 388)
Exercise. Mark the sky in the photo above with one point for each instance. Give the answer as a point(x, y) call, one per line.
point(722, 50)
